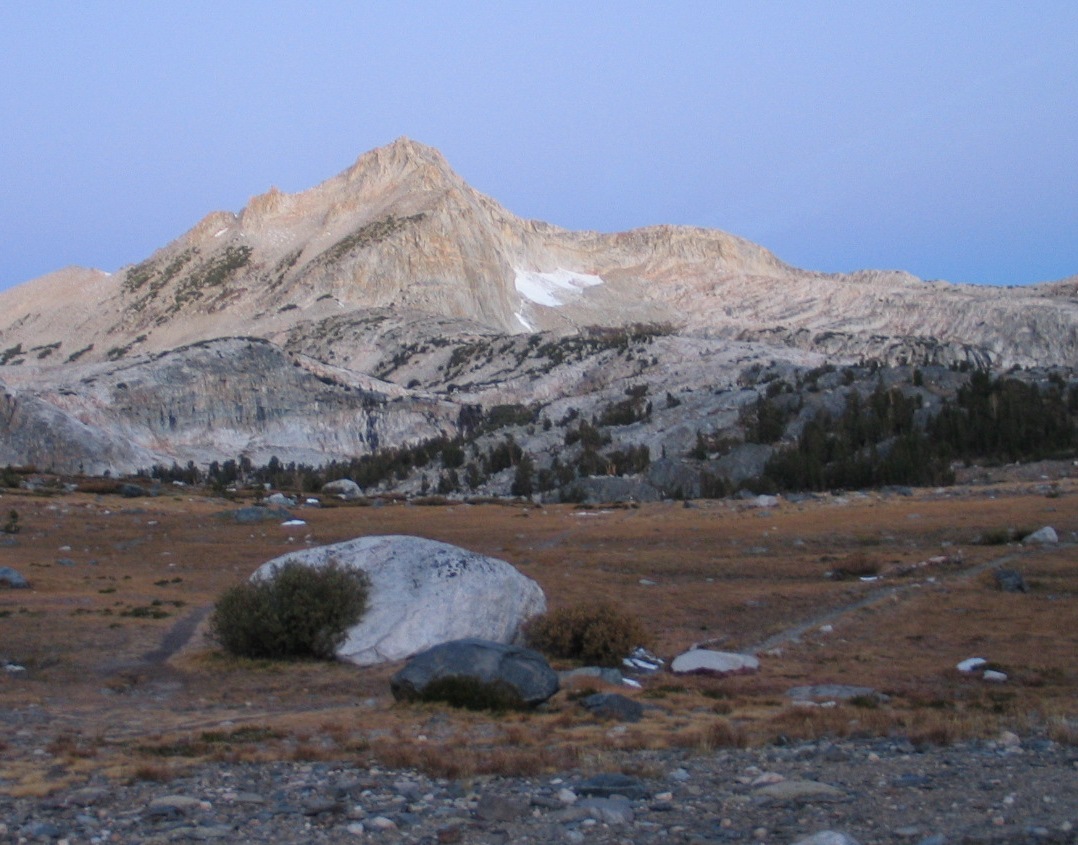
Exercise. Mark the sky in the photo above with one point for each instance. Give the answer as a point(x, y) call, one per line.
point(939, 138)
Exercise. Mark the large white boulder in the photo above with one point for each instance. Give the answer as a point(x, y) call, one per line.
point(424, 593)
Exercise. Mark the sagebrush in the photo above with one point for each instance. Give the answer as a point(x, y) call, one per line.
point(598, 633)
point(300, 611)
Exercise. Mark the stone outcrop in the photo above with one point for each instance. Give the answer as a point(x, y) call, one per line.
point(424, 593)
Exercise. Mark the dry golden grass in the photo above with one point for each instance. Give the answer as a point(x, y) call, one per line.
point(93, 635)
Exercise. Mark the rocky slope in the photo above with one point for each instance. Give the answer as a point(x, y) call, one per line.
point(372, 308)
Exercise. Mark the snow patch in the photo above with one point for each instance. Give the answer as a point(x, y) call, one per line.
point(221, 232)
point(552, 289)
point(523, 322)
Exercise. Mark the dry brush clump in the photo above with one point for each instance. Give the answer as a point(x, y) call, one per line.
point(595, 633)
point(299, 611)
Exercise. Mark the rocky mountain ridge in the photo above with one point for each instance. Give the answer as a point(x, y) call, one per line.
point(378, 307)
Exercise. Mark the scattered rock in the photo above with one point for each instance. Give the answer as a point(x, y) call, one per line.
point(12, 578)
point(484, 671)
point(280, 499)
point(1011, 581)
point(719, 663)
point(423, 593)
point(828, 837)
point(169, 805)
point(255, 514)
point(608, 810)
point(611, 705)
point(599, 673)
point(801, 790)
point(833, 692)
point(500, 808)
point(609, 784)
point(343, 488)
point(642, 662)
point(1041, 537)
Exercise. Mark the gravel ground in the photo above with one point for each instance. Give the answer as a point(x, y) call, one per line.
point(873, 791)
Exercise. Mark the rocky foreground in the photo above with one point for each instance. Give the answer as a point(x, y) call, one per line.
point(871, 791)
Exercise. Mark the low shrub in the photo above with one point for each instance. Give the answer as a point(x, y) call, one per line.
point(595, 633)
point(300, 611)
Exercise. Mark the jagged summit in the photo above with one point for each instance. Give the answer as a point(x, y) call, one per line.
point(399, 231)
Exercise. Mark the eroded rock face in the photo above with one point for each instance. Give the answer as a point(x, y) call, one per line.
point(472, 671)
point(424, 593)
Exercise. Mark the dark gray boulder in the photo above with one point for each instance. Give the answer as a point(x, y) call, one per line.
point(479, 674)
point(12, 578)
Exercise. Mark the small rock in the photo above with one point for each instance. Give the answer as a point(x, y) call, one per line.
point(42, 830)
point(318, 806)
point(836, 692)
point(718, 663)
point(611, 705)
point(609, 810)
point(86, 796)
point(611, 783)
point(1009, 740)
point(600, 673)
point(175, 802)
point(280, 499)
point(343, 488)
point(383, 823)
point(12, 578)
point(801, 790)
point(1011, 581)
point(566, 796)
point(828, 837)
point(498, 808)
point(1041, 537)
point(255, 514)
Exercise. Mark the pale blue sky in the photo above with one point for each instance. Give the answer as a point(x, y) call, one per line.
point(935, 137)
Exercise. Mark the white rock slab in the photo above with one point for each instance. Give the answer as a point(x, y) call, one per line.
point(714, 663)
point(424, 593)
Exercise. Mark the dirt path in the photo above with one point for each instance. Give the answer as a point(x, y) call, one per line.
point(875, 597)
point(177, 637)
